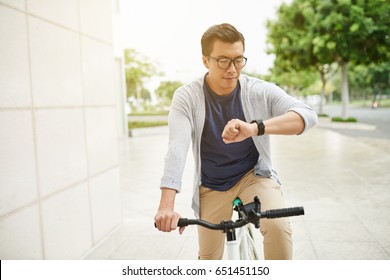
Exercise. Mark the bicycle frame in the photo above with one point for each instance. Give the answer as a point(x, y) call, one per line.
point(237, 249)
point(237, 240)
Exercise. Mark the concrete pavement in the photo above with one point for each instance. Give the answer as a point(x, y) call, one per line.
point(343, 183)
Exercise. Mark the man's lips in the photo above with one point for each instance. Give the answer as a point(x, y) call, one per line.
point(230, 78)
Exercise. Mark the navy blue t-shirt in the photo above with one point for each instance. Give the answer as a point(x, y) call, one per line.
point(223, 165)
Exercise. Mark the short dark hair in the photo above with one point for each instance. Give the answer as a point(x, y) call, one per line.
point(224, 32)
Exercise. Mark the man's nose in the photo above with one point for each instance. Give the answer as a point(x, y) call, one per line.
point(231, 67)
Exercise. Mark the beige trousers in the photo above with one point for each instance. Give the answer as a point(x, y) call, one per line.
point(217, 206)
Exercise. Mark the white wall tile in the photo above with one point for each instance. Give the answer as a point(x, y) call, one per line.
point(59, 11)
point(66, 224)
point(21, 235)
point(102, 138)
point(105, 203)
point(17, 160)
point(19, 4)
point(55, 65)
point(61, 148)
point(95, 19)
point(98, 73)
point(14, 66)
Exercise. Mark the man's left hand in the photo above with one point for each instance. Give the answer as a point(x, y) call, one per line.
point(237, 130)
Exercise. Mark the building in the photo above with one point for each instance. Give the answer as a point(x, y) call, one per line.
point(61, 115)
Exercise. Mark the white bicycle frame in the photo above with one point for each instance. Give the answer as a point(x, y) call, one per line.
point(238, 249)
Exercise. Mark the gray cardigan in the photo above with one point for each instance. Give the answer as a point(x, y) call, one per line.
point(260, 100)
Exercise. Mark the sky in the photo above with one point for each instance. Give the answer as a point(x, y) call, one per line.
point(169, 31)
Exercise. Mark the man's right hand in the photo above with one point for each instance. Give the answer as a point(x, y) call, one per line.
point(166, 220)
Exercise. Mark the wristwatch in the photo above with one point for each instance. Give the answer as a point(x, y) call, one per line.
point(260, 127)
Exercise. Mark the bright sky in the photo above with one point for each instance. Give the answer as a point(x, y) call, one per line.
point(169, 31)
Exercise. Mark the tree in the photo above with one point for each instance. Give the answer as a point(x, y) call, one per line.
point(315, 33)
point(294, 82)
point(291, 38)
point(137, 68)
point(356, 31)
point(380, 77)
point(360, 81)
point(166, 90)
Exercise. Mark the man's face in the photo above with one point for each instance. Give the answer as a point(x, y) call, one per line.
point(223, 81)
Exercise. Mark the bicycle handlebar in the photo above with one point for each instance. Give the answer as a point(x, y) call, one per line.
point(183, 222)
point(227, 225)
point(249, 213)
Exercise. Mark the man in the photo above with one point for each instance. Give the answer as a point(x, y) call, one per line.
point(229, 117)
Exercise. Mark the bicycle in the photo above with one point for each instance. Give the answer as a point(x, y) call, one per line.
point(241, 244)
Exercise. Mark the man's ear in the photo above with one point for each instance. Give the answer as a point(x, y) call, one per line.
point(205, 61)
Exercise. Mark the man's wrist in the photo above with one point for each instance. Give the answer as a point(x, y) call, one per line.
point(167, 200)
point(254, 128)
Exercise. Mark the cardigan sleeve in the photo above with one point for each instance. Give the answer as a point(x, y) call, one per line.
point(278, 102)
point(179, 124)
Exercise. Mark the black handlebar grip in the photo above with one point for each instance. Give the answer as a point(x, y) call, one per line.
point(284, 212)
point(183, 222)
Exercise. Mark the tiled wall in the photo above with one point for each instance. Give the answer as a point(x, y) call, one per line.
point(59, 180)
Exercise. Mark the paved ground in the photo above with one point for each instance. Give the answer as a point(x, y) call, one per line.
point(342, 182)
point(378, 118)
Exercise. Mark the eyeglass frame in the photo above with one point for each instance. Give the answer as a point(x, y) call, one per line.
point(217, 59)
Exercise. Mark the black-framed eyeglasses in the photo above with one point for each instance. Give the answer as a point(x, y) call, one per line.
point(225, 63)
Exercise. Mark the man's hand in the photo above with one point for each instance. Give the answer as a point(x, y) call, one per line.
point(236, 131)
point(166, 220)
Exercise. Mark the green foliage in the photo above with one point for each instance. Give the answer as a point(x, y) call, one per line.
point(295, 81)
point(166, 90)
point(143, 124)
point(352, 30)
point(313, 34)
point(323, 115)
point(137, 69)
point(339, 119)
point(380, 74)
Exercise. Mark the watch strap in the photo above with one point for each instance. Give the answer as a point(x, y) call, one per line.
point(260, 127)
